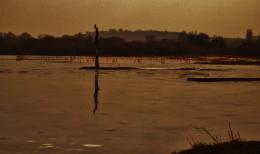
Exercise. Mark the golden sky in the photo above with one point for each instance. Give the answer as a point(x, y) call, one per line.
point(221, 17)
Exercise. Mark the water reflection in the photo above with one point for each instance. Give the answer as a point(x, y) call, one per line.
point(96, 91)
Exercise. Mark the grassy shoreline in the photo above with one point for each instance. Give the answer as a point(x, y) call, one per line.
point(232, 147)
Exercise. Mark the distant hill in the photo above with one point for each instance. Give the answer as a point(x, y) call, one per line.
point(143, 35)
point(256, 37)
point(234, 42)
point(139, 35)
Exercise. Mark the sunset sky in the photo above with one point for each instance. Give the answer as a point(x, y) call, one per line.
point(229, 18)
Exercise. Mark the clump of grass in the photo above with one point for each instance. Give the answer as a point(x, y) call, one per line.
point(232, 137)
point(231, 145)
point(195, 142)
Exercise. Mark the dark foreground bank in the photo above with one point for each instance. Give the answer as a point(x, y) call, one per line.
point(234, 147)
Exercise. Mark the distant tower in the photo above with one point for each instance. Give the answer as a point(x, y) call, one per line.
point(249, 35)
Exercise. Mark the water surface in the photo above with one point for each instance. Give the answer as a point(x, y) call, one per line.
point(47, 107)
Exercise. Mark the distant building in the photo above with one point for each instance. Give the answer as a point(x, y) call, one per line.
point(249, 35)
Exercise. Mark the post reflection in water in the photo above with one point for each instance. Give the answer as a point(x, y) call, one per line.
point(96, 91)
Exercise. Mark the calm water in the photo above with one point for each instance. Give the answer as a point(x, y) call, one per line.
point(48, 107)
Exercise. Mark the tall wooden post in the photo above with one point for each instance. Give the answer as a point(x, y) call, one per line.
point(97, 48)
point(97, 69)
point(96, 91)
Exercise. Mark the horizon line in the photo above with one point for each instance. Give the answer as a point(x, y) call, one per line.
point(128, 30)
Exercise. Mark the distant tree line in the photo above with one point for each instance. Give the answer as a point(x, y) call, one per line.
point(187, 44)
